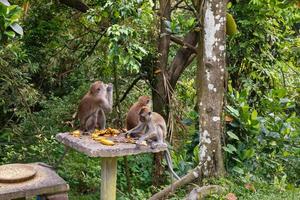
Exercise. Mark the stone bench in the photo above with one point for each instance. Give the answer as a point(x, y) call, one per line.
point(46, 184)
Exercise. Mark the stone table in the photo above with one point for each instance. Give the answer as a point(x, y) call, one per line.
point(108, 154)
point(45, 183)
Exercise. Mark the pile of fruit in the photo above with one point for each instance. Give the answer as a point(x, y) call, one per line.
point(100, 135)
point(106, 132)
point(105, 136)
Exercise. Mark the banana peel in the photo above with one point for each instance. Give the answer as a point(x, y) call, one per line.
point(106, 132)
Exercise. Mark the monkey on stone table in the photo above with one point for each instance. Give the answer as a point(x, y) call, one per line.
point(132, 118)
point(94, 105)
point(154, 129)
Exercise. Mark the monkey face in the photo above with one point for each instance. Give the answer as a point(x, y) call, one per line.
point(98, 88)
point(145, 115)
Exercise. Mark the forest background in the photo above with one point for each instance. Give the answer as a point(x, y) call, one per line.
point(47, 66)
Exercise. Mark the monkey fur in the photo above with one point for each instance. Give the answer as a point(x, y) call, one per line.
point(132, 118)
point(93, 106)
point(154, 129)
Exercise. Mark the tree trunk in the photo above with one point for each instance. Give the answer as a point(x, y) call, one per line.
point(159, 97)
point(210, 85)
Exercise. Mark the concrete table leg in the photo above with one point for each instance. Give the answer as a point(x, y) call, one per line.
point(108, 178)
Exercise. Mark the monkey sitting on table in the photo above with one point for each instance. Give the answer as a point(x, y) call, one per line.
point(94, 105)
point(154, 129)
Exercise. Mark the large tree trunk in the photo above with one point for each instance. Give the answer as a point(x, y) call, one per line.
point(159, 97)
point(210, 85)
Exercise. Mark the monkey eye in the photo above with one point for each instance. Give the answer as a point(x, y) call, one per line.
point(149, 113)
point(98, 89)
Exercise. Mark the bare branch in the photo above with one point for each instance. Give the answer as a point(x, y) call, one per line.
point(182, 43)
point(134, 82)
point(183, 57)
point(188, 178)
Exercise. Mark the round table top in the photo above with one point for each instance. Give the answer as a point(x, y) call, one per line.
point(13, 173)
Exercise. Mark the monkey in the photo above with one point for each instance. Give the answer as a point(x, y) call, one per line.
point(154, 129)
point(132, 118)
point(93, 106)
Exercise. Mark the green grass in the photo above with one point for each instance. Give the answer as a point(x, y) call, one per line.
point(264, 191)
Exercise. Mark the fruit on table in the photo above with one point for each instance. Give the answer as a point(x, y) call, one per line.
point(106, 132)
point(76, 133)
point(104, 141)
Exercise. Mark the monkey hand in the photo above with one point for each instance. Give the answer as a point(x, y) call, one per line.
point(109, 87)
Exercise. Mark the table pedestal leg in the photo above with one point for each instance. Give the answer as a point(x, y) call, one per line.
point(108, 178)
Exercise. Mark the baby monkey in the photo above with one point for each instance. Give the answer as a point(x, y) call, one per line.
point(154, 129)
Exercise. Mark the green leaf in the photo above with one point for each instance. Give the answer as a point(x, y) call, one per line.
point(10, 34)
point(3, 9)
point(229, 4)
point(229, 148)
point(254, 115)
point(249, 153)
point(238, 170)
point(232, 135)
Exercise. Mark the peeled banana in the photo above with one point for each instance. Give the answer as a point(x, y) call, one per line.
point(104, 141)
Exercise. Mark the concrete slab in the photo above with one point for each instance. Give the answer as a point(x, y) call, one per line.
point(46, 181)
point(91, 148)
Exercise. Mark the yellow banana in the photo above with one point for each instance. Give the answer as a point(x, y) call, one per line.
point(104, 141)
point(76, 133)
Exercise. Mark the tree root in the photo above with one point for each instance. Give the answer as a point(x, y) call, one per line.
point(201, 192)
point(188, 178)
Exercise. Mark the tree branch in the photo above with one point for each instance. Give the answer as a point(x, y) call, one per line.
point(134, 82)
point(76, 4)
point(183, 57)
point(182, 43)
point(191, 176)
point(176, 5)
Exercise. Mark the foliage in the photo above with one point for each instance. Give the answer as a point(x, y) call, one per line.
point(263, 95)
point(265, 141)
point(264, 54)
point(44, 74)
point(9, 17)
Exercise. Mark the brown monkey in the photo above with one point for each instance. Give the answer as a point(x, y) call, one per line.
point(132, 118)
point(154, 129)
point(94, 105)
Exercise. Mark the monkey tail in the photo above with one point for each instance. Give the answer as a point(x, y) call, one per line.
point(170, 164)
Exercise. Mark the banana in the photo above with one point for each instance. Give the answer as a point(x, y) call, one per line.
point(104, 141)
point(76, 133)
